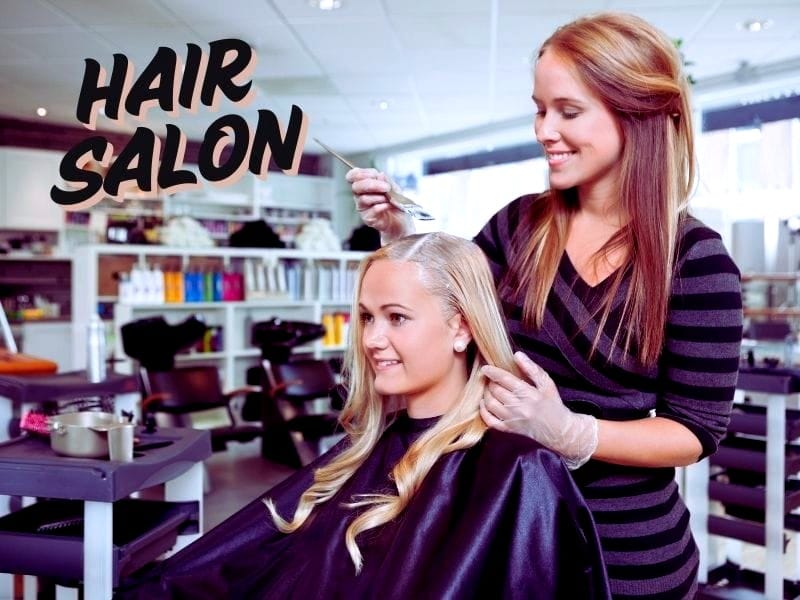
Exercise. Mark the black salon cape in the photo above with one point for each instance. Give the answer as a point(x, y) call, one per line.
point(502, 519)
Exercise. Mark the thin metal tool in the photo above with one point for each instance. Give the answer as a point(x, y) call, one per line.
point(398, 200)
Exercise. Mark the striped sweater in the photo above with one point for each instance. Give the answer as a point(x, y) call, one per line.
point(642, 521)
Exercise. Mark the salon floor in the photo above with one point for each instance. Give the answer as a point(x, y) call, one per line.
point(235, 478)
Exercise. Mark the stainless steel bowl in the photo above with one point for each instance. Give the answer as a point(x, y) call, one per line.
point(82, 434)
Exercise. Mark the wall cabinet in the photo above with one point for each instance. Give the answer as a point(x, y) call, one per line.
point(27, 176)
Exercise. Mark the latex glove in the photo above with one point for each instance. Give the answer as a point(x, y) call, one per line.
point(535, 409)
point(370, 187)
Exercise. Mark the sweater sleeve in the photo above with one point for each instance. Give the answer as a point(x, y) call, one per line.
point(496, 236)
point(700, 363)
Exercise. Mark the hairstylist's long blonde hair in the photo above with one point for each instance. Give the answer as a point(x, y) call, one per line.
point(637, 72)
point(455, 271)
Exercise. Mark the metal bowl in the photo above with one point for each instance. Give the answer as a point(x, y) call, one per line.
point(82, 434)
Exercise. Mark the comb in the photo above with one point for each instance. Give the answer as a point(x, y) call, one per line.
point(398, 200)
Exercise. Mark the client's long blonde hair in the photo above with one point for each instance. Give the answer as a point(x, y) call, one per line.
point(455, 271)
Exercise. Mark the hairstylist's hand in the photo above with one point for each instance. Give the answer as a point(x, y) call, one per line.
point(369, 189)
point(535, 409)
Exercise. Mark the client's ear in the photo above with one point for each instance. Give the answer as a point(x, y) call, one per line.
point(462, 334)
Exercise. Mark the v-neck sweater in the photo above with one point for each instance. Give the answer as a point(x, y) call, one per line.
point(642, 521)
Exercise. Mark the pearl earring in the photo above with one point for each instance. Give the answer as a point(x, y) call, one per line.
point(460, 346)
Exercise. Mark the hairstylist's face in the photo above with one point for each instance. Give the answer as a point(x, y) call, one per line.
point(408, 340)
point(581, 137)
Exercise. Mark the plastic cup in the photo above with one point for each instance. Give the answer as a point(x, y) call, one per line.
point(120, 442)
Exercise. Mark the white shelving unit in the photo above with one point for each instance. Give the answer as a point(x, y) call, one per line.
point(285, 202)
point(236, 318)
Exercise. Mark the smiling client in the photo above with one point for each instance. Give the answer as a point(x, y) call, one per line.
point(424, 502)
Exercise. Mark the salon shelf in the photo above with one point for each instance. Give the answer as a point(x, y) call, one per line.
point(328, 284)
point(769, 380)
point(749, 496)
point(750, 454)
point(143, 530)
point(740, 529)
point(751, 419)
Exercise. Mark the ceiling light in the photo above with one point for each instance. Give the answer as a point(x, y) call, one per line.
point(326, 4)
point(755, 25)
point(41, 111)
point(383, 105)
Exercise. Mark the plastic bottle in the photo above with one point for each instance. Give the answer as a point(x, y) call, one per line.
point(148, 283)
point(237, 287)
point(180, 290)
point(217, 286)
point(125, 288)
point(96, 349)
point(208, 286)
point(137, 286)
point(338, 329)
point(188, 286)
point(169, 287)
point(330, 336)
point(159, 295)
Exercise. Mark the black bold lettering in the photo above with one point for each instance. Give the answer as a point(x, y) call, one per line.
point(193, 72)
point(171, 177)
point(71, 172)
point(145, 92)
point(269, 141)
point(140, 149)
point(220, 76)
point(209, 156)
point(92, 91)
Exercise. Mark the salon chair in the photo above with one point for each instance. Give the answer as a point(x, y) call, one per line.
point(193, 397)
point(298, 407)
point(189, 396)
point(299, 410)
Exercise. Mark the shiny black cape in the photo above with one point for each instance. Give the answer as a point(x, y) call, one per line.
point(502, 520)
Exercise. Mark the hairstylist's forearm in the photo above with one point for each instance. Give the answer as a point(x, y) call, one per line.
point(652, 442)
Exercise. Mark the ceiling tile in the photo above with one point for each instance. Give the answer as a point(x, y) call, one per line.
point(91, 13)
point(439, 31)
point(49, 45)
point(30, 14)
point(440, 7)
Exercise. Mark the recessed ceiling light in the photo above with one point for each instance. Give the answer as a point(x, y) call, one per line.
point(326, 4)
point(41, 111)
point(755, 25)
point(383, 105)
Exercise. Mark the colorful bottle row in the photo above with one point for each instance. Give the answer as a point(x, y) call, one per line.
point(153, 286)
point(198, 286)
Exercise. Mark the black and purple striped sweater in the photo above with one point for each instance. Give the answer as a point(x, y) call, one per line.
point(642, 521)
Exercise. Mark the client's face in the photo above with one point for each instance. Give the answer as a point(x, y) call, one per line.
point(408, 340)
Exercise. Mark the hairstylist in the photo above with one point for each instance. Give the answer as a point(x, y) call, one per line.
point(627, 310)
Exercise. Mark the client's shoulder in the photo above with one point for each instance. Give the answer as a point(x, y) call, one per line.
point(505, 448)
